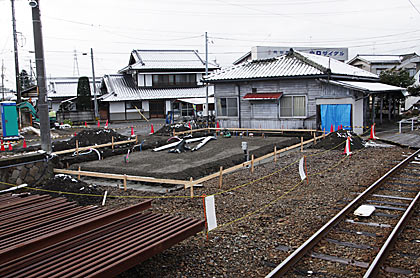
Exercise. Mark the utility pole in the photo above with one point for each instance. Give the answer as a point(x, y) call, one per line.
point(95, 103)
point(19, 99)
point(41, 78)
point(207, 84)
point(2, 78)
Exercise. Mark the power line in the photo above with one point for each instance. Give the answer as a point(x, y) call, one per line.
point(414, 6)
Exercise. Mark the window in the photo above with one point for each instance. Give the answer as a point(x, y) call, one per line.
point(133, 104)
point(227, 107)
point(293, 106)
point(187, 109)
point(174, 80)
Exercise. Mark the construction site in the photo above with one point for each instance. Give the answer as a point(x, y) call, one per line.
point(270, 188)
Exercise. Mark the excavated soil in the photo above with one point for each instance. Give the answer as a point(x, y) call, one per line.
point(225, 152)
point(338, 138)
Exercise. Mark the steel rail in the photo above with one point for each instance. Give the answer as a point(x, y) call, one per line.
point(61, 234)
point(293, 258)
point(380, 258)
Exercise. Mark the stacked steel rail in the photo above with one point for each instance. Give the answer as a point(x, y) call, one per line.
point(41, 236)
point(396, 177)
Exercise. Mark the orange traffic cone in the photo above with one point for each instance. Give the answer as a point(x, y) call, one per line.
point(75, 134)
point(372, 133)
point(2, 146)
point(152, 130)
point(99, 124)
point(347, 148)
point(132, 132)
point(189, 125)
point(24, 144)
point(332, 128)
point(10, 147)
point(217, 124)
point(106, 125)
point(85, 124)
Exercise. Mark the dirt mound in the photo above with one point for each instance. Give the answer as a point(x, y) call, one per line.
point(167, 130)
point(338, 138)
point(66, 183)
point(89, 137)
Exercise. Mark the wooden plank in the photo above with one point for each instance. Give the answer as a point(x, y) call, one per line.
point(242, 165)
point(265, 129)
point(119, 177)
point(189, 131)
point(94, 147)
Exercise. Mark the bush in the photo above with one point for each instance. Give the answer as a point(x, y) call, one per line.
point(68, 122)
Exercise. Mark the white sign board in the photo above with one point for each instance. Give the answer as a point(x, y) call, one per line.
point(264, 52)
point(210, 213)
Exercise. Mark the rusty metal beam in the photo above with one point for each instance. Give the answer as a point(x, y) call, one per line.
point(68, 232)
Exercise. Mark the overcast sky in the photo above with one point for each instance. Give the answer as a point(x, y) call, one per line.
point(114, 28)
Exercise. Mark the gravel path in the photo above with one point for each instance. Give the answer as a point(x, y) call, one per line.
point(255, 218)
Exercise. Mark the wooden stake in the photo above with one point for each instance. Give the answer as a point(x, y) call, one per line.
point(191, 188)
point(77, 147)
point(221, 177)
point(323, 134)
point(125, 182)
point(112, 142)
point(301, 144)
point(137, 140)
point(173, 132)
point(78, 176)
point(275, 153)
point(252, 164)
point(314, 138)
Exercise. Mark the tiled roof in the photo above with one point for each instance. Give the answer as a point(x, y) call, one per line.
point(165, 59)
point(290, 65)
point(122, 87)
point(67, 87)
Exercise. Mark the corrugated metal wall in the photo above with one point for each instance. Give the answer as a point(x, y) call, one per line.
point(264, 114)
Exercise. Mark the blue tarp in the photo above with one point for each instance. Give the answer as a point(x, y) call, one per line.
point(335, 114)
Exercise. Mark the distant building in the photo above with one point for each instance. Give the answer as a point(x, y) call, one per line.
point(156, 82)
point(62, 91)
point(301, 91)
point(265, 52)
point(376, 63)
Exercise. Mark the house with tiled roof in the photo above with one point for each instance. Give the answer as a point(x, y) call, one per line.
point(300, 91)
point(377, 63)
point(156, 82)
point(61, 90)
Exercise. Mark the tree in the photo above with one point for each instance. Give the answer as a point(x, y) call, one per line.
point(83, 101)
point(400, 78)
point(25, 80)
point(397, 77)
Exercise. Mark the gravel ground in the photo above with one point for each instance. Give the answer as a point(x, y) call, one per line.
point(256, 217)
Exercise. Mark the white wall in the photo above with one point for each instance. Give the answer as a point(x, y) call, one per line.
point(140, 78)
point(198, 78)
point(145, 105)
point(148, 80)
point(357, 110)
point(117, 107)
point(168, 106)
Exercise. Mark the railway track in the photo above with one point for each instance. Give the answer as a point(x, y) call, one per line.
point(351, 245)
